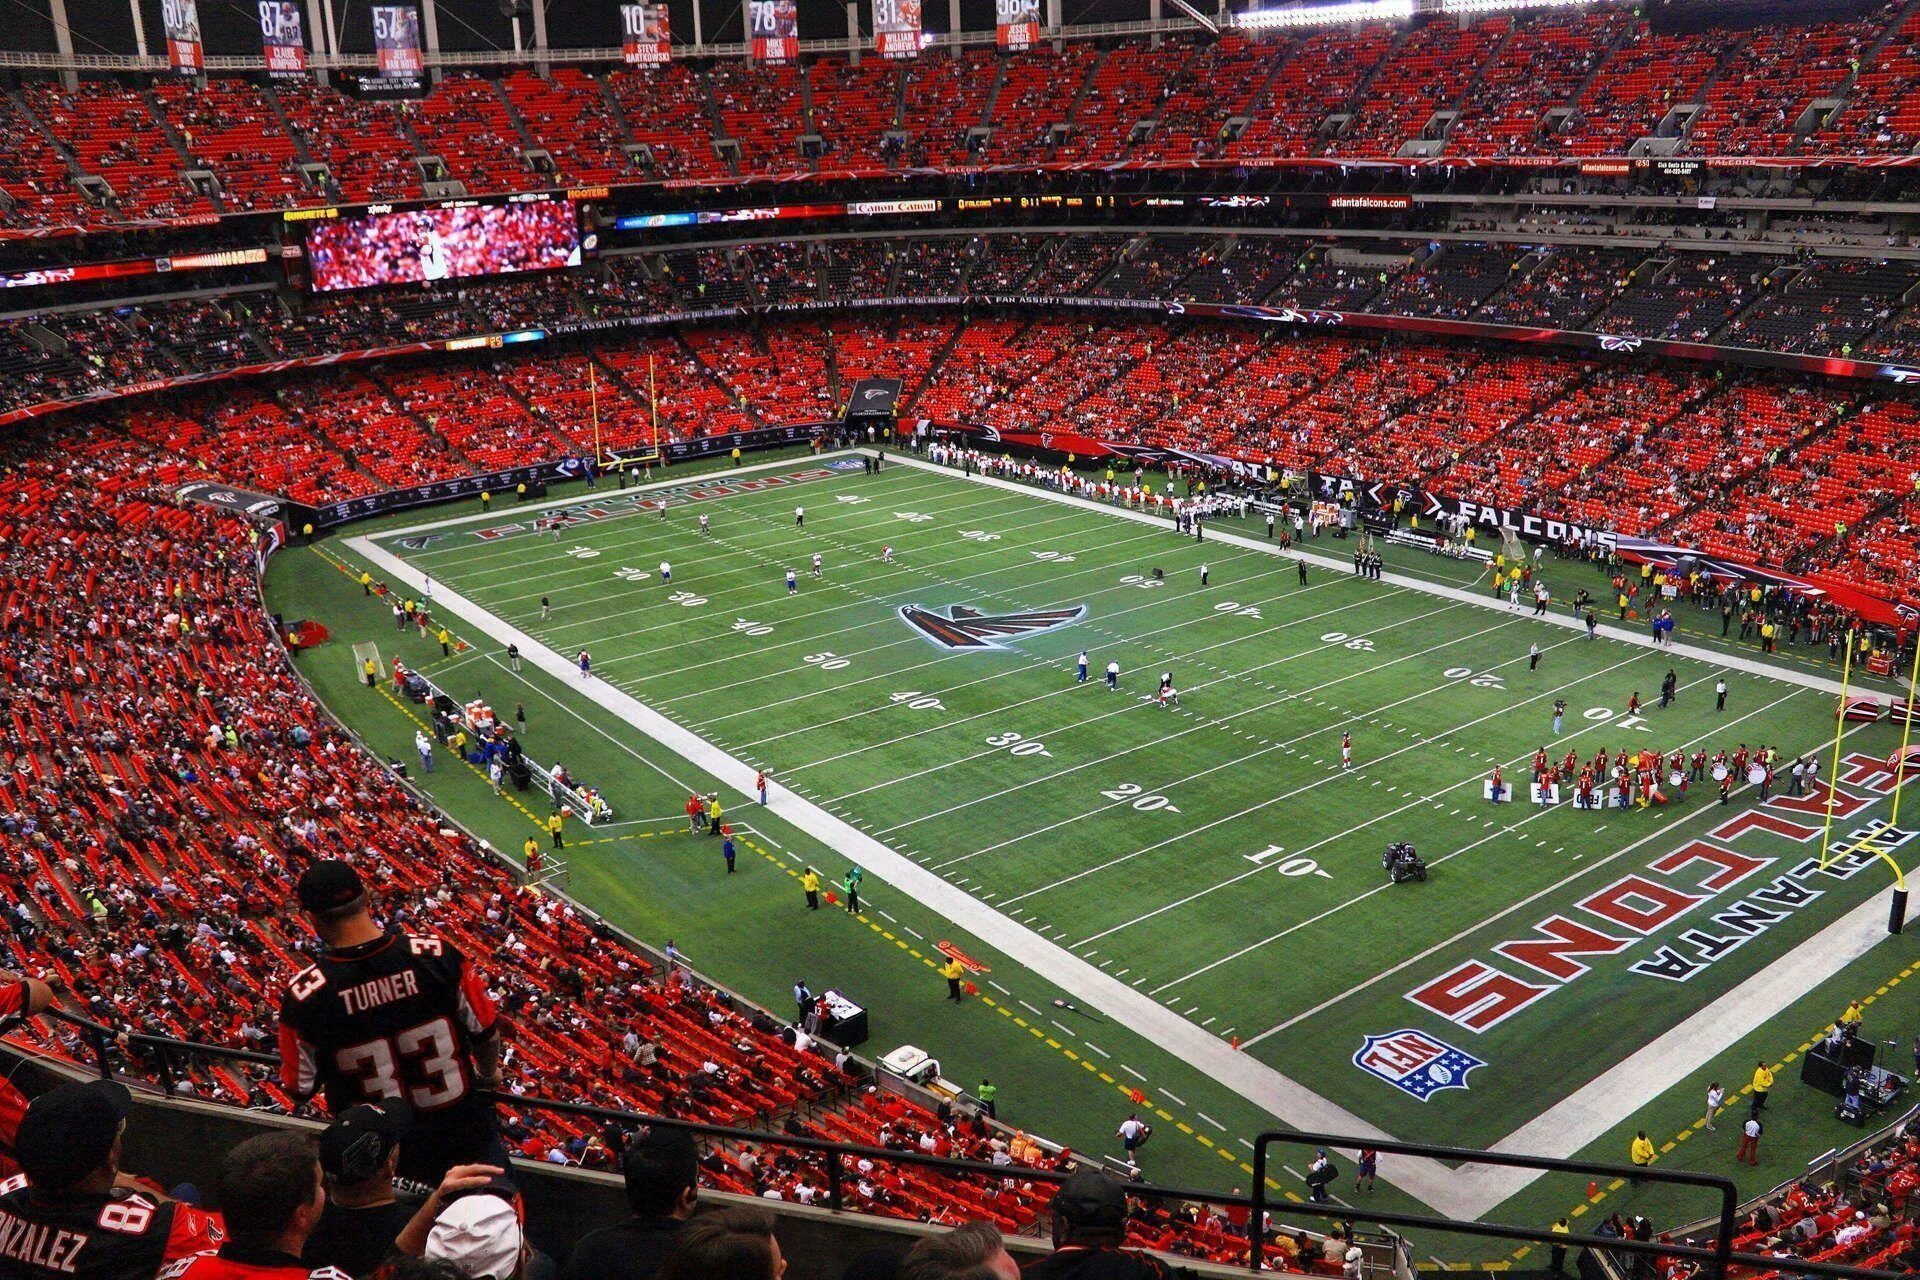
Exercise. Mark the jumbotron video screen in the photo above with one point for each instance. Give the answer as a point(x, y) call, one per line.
point(411, 246)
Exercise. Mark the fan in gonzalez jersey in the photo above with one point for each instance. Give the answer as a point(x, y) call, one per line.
point(390, 1015)
point(71, 1212)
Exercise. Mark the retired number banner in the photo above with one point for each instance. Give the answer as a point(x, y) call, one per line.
point(396, 41)
point(896, 28)
point(774, 28)
point(1016, 23)
point(645, 34)
point(282, 38)
point(182, 21)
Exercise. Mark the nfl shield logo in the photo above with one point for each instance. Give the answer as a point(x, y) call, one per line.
point(1415, 1063)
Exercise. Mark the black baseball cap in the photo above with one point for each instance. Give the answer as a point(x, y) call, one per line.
point(329, 886)
point(1092, 1199)
point(69, 1131)
point(660, 1162)
point(356, 1144)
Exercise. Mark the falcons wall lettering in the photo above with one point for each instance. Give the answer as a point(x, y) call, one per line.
point(393, 1018)
point(111, 1237)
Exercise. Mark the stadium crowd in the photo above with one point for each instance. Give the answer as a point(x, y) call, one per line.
point(1815, 477)
point(1536, 85)
point(168, 784)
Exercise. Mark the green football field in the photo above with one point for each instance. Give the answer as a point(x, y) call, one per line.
point(1213, 861)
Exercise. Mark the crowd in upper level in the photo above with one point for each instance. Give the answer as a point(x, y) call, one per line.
point(1573, 84)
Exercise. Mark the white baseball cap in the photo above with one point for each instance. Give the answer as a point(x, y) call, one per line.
point(480, 1235)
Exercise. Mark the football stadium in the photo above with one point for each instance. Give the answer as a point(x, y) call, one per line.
point(1103, 640)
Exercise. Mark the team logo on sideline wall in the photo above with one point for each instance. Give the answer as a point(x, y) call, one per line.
point(964, 627)
point(1415, 1063)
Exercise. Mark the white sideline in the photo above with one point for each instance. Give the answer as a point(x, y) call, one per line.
point(1467, 1192)
point(1253, 1080)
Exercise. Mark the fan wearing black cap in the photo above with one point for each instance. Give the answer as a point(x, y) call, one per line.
point(661, 1167)
point(1089, 1230)
point(71, 1212)
point(382, 1016)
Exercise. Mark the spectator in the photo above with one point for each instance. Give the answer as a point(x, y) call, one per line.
point(732, 1244)
point(68, 1146)
point(364, 1216)
point(662, 1169)
point(482, 1236)
point(417, 983)
point(272, 1194)
point(971, 1251)
point(365, 1219)
point(1089, 1234)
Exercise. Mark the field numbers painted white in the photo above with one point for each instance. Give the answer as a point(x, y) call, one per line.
point(1478, 679)
point(1341, 638)
point(582, 553)
point(1237, 609)
point(626, 573)
point(1144, 803)
point(1294, 866)
point(1602, 714)
point(918, 701)
point(912, 517)
point(853, 499)
point(747, 627)
point(979, 535)
point(1141, 580)
point(1052, 557)
point(828, 661)
point(687, 600)
point(1018, 745)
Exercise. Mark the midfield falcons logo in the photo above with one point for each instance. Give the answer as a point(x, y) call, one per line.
point(964, 627)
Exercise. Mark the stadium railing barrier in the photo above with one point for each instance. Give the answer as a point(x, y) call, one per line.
point(1605, 1252)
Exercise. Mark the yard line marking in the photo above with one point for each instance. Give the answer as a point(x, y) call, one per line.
point(1097, 1049)
point(1335, 567)
point(1437, 1185)
point(1130, 1071)
point(842, 686)
point(1204, 1116)
point(1030, 1009)
point(1110, 863)
point(1064, 1029)
point(1065, 690)
point(1174, 1096)
point(997, 987)
point(1324, 1005)
point(1201, 724)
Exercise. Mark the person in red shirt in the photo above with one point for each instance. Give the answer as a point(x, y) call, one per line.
point(72, 1212)
point(387, 1015)
point(272, 1195)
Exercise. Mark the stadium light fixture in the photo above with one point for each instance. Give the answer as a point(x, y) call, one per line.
point(1325, 15)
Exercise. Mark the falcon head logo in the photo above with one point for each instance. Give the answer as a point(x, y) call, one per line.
point(964, 627)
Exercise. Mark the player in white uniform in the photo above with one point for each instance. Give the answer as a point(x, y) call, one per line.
point(433, 257)
point(816, 564)
point(703, 523)
point(666, 573)
point(886, 555)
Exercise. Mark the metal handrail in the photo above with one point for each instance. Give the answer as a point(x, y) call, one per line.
point(101, 1036)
